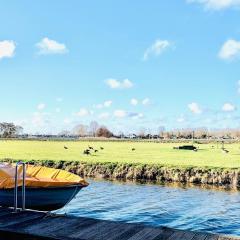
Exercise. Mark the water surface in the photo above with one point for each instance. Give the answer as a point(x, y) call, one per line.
point(197, 209)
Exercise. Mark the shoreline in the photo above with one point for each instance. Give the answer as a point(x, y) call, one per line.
point(148, 172)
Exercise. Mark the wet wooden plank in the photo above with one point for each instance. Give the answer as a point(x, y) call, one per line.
point(165, 233)
point(96, 231)
point(189, 235)
point(127, 232)
point(38, 225)
point(18, 218)
point(177, 235)
point(200, 236)
point(211, 237)
point(146, 233)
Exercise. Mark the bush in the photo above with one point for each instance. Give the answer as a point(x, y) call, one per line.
point(104, 132)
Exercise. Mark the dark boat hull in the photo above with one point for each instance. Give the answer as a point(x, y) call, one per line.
point(42, 199)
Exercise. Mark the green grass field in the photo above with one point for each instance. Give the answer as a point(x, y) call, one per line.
point(146, 153)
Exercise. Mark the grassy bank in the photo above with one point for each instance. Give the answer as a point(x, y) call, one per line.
point(150, 161)
point(161, 154)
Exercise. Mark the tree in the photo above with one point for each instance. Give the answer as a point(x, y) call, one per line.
point(80, 130)
point(142, 132)
point(8, 130)
point(104, 132)
point(161, 131)
point(93, 127)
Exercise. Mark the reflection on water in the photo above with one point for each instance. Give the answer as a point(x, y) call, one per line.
point(192, 208)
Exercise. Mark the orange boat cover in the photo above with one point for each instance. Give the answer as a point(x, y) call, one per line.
point(38, 176)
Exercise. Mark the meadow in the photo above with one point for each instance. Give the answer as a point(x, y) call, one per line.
point(145, 153)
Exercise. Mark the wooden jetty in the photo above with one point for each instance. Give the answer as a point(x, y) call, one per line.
point(33, 225)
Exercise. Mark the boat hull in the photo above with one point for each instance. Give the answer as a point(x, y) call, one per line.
point(42, 199)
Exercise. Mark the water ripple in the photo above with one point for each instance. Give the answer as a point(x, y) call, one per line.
point(159, 205)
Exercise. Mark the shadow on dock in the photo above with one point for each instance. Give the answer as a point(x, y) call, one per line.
point(33, 225)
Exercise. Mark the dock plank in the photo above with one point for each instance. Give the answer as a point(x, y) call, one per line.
point(146, 233)
point(33, 225)
point(127, 232)
point(165, 233)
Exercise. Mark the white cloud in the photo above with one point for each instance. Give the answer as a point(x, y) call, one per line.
point(40, 119)
point(107, 103)
point(7, 49)
point(194, 108)
point(48, 46)
point(156, 48)
point(228, 107)
point(146, 101)
point(120, 113)
point(230, 50)
point(217, 4)
point(135, 115)
point(134, 101)
point(117, 84)
point(104, 115)
point(41, 106)
point(181, 120)
point(83, 112)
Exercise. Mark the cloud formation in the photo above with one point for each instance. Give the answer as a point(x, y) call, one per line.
point(117, 84)
point(217, 4)
point(106, 104)
point(134, 101)
point(7, 49)
point(228, 107)
point(120, 113)
point(48, 46)
point(194, 108)
point(41, 106)
point(146, 101)
point(83, 112)
point(156, 49)
point(180, 119)
point(230, 50)
point(134, 115)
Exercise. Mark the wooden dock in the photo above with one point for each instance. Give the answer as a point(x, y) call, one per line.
point(33, 225)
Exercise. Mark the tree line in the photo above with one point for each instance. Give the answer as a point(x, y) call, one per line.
point(94, 129)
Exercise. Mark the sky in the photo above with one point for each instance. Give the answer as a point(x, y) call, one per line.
point(126, 64)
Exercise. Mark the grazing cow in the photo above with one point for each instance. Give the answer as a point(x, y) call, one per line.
point(95, 150)
point(87, 152)
point(65, 147)
point(133, 149)
point(91, 148)
point(101, 148)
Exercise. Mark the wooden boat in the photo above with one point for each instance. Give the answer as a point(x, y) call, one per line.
point(46, 189)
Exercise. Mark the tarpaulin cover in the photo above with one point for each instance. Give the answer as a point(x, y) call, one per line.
point(38, 176)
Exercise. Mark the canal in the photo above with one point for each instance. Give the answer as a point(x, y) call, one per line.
point(177, 206)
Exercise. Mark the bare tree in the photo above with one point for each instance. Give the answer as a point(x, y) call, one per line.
point(93, 127)
point(142, 132)
point(161, 131)
point(80, 130)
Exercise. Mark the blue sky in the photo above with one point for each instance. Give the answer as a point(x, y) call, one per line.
point(126, 64)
